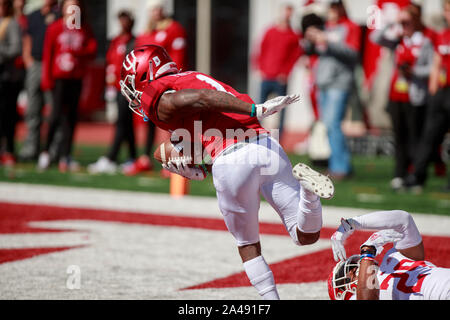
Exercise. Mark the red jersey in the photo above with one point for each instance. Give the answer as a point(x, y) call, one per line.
point(114, 58)
point(406, 53)
point(443, 49)
point(172, 38)
point(431, 34)
point(66, 53)
point(279, 52)
point(210, 128)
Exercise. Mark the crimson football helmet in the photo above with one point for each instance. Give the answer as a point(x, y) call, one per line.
point(340, 285)
point(141, 66)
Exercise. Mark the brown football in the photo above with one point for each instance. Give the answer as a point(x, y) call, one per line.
point(167, 150)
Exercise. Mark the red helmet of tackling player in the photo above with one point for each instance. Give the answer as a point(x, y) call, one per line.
point(340, 284)
point(141, 66)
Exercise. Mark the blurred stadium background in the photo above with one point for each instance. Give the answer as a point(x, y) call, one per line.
point(130, 239)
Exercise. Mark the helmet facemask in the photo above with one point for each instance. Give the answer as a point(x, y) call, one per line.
point(342, 283)
point(128, 90)
point(130, 83)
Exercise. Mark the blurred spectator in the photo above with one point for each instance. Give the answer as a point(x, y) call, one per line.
point(279, 51)
point(433, 35)
point(10, 49)
point(33, 46)
point(163, 31)
point(338, 49)
point(68, 48)
point(21, 18)
point(427, 31)
point(317, 145)
point(307, 21)
point(409, 86)
point(119, 47)
point(437, 121)
point(18, 8)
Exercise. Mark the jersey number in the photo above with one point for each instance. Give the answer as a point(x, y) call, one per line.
point(213, 83)
point(407, 265)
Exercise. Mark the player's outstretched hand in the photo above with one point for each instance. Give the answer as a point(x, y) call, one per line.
point(381, 238)
point(275, 105)
point(338, 240)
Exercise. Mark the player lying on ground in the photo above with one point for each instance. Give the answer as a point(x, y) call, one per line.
point(243, 166)
point(403, 273)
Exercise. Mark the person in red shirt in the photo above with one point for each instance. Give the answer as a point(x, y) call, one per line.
point(163, 31)
point(224, 127)
point(69, 46)
point(124, 131)
point(437, 121)
point(409, 86)
point(279, 51)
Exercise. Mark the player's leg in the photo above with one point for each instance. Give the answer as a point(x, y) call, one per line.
point(299, 207)
point(237, 185)
point(258, 272)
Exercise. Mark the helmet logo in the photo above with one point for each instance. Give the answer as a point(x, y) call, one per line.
point(130, 63)
point(156, 61)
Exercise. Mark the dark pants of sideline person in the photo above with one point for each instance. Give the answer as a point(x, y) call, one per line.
point(124, 130)
point(437, 124)
point(269, 87)
point(9, 91)
point(407, 125)
point(66, 96)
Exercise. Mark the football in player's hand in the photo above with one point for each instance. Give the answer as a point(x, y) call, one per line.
point(170, 151)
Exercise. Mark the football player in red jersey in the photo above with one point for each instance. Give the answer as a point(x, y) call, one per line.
point(246, 161)
point(403, 273)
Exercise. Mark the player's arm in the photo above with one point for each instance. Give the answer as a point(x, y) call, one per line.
point(396, 226)
point(191, 101)
point(368, 288)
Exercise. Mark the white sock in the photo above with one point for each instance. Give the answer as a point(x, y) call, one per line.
point(309, 218)
point(261, 277)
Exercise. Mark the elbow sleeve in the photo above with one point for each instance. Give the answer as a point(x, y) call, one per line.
point(398, 220)
point(412, 235)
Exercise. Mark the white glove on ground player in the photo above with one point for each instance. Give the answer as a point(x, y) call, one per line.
point(338, 239)
point(381, 238)
point(275, 105)
point(181, 166)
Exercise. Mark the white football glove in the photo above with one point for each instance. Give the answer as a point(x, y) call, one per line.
point(275, 105)
point(381, 238)
point(181, 166)
point(338, 239)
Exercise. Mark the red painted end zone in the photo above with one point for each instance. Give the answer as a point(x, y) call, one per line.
point(16, 218)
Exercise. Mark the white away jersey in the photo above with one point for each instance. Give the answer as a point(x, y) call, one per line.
point(401, 278)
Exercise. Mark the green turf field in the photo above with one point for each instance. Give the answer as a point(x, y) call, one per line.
point(369, 187)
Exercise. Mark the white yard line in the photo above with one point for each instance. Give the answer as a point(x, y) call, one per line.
point(157, 203)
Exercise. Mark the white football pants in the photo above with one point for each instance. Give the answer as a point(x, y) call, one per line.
point(245, 171)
